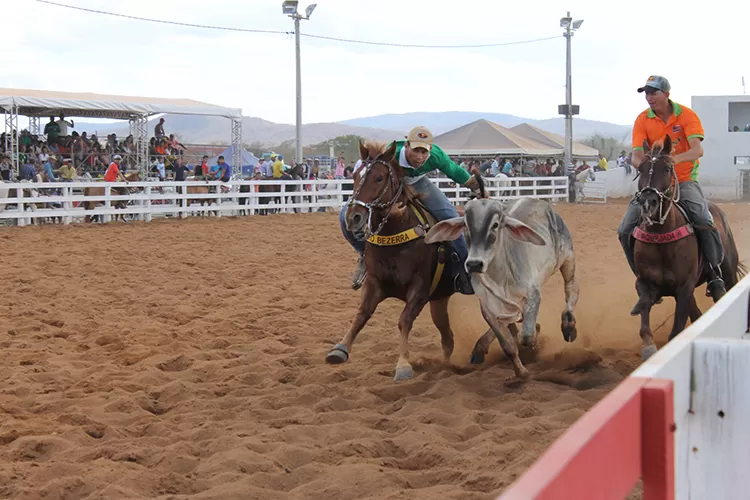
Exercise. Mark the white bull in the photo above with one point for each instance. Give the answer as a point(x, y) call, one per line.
point(514, 248)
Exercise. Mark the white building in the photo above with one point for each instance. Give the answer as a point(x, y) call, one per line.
point(726, 148)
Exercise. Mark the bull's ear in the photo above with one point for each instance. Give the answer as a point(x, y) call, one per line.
point(447, 230)
point(522, 232)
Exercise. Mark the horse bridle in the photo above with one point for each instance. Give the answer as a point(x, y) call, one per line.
point(377, 203)
point(663, 196)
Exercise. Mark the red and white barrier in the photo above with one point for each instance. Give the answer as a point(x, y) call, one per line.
point(679, 422)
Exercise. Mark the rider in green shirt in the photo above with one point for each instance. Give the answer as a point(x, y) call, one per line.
point(417, 155)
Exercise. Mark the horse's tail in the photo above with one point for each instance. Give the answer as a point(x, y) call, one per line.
point(742, 270)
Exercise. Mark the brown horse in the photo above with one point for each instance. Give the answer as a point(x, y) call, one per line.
point(386, 211)
point(667, 257)
point(99, 191)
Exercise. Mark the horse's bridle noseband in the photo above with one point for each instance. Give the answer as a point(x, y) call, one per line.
point(377, 203)
point(663, 196)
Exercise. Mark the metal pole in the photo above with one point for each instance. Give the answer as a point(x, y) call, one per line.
point(298, 153)
point(568, 99)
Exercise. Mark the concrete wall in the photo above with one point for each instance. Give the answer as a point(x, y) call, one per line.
point(718, 171)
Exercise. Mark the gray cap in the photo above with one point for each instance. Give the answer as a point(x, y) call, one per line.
point(656, 82)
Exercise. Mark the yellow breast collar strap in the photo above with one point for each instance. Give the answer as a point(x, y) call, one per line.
point(402, 237)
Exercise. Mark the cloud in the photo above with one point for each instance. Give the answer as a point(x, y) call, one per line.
point(618, 46)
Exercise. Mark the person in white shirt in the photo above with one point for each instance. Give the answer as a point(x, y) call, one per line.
point(64, 124)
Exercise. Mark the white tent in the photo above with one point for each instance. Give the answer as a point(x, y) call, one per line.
point(38, 103)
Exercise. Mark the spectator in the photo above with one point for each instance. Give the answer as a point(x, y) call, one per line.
point(52, 131)
point(602, 163)
point(159, 130)
point(64, 124)
point(67, 172)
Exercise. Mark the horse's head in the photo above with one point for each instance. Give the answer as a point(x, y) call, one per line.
point(378, 184)
point(133, 176)
point(656, 179)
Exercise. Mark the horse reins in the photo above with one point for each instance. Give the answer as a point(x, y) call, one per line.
point(666, 196)
point(377, 202)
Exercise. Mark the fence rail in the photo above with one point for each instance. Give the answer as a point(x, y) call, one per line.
point(24, 201)
point(690, 428)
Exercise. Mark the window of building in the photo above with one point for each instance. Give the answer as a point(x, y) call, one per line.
point(739, 116)
point(742, 160)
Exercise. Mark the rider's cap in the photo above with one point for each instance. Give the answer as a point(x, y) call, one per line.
point(117, 157)
point(656, 82)
point(420, 137)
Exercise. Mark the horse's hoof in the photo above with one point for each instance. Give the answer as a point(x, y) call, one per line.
point(339, 354)
point(477, 357)
point(403, 373)
point(647, 351)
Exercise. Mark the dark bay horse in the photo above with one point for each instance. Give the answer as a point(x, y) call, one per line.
point(667, 258)
point(386, 211)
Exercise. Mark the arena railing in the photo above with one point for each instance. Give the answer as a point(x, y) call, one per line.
point(678, 422)
point(63, 199)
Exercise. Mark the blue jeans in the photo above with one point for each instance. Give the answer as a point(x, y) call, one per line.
point(436, 203)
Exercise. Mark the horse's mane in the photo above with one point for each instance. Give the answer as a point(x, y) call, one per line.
point(375, 148)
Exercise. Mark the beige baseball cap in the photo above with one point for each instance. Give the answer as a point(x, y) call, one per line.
point(420, 137)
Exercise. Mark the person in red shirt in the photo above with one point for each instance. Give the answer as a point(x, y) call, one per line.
point(113, 174)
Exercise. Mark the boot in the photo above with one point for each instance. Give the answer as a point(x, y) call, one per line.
point(359, 273)
point(462, 284)
point(461, 280)
point(715, 287)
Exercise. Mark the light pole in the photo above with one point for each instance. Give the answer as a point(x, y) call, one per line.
point(568, 109)
point(289, 7)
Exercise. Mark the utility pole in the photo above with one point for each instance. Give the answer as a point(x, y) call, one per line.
point(568, 109)
point(289, 7)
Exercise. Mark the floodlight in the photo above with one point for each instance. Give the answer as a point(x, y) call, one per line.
point(309, 10)
point(565, 21)
point(577, 24)
point(289, 7)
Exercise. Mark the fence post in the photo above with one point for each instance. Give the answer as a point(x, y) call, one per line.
point(147, 203)
point(657, 450)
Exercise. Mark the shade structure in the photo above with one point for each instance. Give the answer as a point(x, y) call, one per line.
point(553, 140)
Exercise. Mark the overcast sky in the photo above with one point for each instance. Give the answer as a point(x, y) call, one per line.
point(701, 49)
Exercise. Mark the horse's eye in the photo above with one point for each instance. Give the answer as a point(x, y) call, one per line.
point(495, 226)
point(379, 178)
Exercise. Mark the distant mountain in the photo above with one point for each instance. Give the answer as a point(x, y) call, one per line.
point(208, 129)
point(440, 122)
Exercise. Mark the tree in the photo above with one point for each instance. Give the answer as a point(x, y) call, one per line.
point(609, 147)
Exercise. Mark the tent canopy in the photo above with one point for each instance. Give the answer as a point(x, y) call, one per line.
point(248, 160)
point(553, 140)
point(87, 105)
point(483, 137)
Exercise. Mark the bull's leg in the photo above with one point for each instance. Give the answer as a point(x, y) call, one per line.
point(685, 299)
point(482, 347)
point(508, 345)
point(439, 313)
point(416, 298)
point(371, 297)
point(568, 323)
point(530, 313)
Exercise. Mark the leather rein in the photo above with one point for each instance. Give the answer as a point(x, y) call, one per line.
point(671, 197)
point(378, 202)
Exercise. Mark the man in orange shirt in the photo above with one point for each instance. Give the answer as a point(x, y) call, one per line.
point(663, 117)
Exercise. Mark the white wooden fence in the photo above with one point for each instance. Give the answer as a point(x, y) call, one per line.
point(149, 199)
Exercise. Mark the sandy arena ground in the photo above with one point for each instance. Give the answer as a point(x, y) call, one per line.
point(186, 359)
